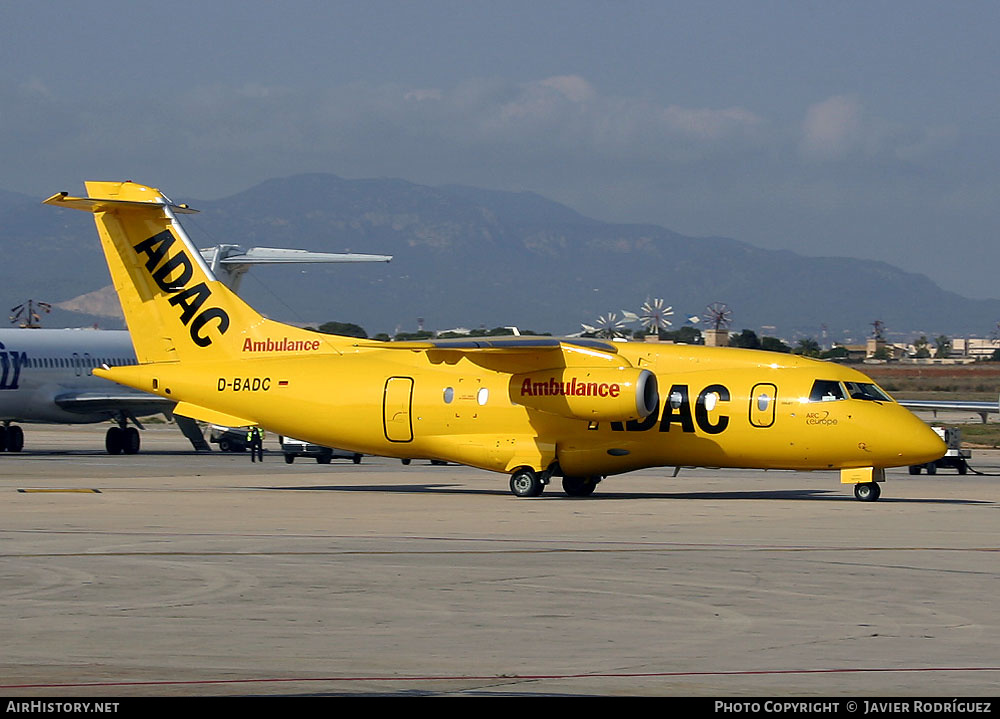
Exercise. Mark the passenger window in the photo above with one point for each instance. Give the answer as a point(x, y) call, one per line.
point(825, 390)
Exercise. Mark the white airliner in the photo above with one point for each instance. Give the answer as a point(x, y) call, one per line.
point(46, 377)
point(46, 374)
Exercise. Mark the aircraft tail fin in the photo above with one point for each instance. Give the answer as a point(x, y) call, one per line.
point(174, 306)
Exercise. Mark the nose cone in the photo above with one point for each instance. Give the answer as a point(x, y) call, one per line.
point(915, 442)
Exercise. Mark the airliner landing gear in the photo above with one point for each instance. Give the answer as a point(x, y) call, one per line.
point(122, 440)
point(114, 440)
point(867, 491)
point(11, 438)
point(526, 482)
point(580, 486)
point(131, 440)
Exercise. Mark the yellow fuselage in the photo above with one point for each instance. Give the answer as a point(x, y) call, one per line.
point(718, 407)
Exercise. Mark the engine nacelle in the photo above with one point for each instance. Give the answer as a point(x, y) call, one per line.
point(595, 395)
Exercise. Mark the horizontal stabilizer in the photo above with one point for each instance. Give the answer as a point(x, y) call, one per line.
point(97, 204)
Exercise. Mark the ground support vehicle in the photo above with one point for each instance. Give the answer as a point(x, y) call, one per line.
point(293, 448)
point(955, 458)
point(229, 439)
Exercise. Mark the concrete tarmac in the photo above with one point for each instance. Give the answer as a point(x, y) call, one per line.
point(169, 573)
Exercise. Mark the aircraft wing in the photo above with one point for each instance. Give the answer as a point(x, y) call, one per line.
point(501, 343)
point(279, 256)
point(937, 405)
point(230, 262)
point(114, 401)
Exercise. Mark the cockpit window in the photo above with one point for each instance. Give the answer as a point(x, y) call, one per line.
point(866, 391)
point(826, 390)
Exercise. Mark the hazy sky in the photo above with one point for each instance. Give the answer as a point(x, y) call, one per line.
point(865, 129)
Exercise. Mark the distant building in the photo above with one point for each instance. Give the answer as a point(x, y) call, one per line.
point(716, 338)
point(878, 348)
point(973, 347)
point(855, 353)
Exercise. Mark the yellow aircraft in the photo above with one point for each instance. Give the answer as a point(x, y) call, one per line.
point(531, 407)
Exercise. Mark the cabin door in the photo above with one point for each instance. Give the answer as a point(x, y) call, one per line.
point(397, 405)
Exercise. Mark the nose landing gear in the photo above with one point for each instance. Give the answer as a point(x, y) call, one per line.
point(526, 482)
point(865, 481)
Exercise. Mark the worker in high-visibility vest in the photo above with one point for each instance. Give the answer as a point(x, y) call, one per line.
point(255, 440)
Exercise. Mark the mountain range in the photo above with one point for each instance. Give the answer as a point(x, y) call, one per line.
point(469, 257)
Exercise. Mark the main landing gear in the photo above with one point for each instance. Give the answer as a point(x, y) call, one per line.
point(580, 486)
point(867, 491)
point(526, 482)
point(118, 440)
point(122, 439)
point(11, 438)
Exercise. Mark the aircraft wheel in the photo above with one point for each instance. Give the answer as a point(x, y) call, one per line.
point(525, 482)
point(579, 486)
point(15, 438)
point(114, 441)
point(289, 458)
point(405, 462)
point(915, 469)
point(225, 446)
point(867, 491)
point(931, 468)
point(130, 440)
point(356, 459)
